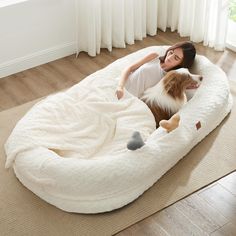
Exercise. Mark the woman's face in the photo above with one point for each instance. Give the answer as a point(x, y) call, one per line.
point(173, 59)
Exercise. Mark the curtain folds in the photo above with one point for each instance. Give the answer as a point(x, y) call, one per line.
point(115, 23)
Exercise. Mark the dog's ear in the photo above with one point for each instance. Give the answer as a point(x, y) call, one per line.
point(170, 75)
point(172, 83)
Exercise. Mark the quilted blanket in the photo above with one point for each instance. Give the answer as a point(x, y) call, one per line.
point(86, 122)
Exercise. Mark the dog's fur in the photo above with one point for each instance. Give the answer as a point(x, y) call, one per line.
point(168, 96)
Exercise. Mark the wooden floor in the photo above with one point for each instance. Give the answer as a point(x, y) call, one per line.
point(210, 211)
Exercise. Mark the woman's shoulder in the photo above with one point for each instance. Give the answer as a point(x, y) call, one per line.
point(153, 54)
point(152, 57)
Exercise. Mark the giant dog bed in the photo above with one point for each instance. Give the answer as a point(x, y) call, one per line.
point(70, 148)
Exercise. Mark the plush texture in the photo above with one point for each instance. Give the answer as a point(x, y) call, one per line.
point(70, 148)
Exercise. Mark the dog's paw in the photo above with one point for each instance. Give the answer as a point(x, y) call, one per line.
point(135, 142)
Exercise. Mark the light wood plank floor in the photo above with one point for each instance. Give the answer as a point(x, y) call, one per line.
point(210, 211)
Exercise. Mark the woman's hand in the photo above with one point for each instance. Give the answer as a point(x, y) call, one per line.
point(119, 92)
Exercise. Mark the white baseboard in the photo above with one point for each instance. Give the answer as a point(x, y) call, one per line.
point(231, 46)
point(36, 59)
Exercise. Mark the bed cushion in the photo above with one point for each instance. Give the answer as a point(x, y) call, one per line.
point(70, 148)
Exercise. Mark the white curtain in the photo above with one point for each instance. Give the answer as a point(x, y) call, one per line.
point(202, 20)
point(206, 20)
point(115, 23)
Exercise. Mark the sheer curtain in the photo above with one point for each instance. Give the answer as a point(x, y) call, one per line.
point(206, 21)
point(115, 23)
point(202, 20)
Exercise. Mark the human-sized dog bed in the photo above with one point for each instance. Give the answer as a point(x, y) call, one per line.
point(70, 148)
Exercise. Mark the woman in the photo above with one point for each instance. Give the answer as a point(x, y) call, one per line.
point(149, 70)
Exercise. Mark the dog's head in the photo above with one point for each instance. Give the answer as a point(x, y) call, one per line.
point(177, 81)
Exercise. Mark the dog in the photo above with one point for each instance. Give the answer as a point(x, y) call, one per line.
point(168, 96)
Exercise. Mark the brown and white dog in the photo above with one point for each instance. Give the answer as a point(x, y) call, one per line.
point(168, 96)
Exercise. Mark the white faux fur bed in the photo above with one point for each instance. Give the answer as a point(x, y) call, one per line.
point(70, 148)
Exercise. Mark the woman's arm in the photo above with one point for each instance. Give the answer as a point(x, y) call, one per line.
point(126, 72)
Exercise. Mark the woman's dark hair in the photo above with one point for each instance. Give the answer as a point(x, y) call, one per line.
point(189, 53)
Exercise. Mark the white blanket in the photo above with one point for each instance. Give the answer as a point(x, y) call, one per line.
point(87, 121)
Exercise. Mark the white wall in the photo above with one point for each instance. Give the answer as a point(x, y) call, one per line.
point(35, 32)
